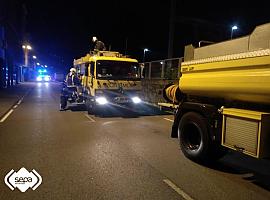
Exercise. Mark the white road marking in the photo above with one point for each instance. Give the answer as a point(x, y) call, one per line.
point(171, 120)
point(14, 107)
point(90, 118)
point(109, 122)
point(6, 116)
point(177, 189)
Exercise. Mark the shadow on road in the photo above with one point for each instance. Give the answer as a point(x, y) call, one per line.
point(256, 171)
point(124, 112)
point(76, 108)
point(135, 112)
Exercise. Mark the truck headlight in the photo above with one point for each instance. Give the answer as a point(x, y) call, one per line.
point(136, 100)
point(47, 78)
point(101, 100)
point(39, 78)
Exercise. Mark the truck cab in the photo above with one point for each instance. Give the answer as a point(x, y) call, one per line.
point(109, 79)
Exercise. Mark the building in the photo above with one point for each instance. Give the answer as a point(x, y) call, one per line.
point(12, 31)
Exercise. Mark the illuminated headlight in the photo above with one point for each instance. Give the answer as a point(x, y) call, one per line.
point(39, 78)
point(101, 100)
point(136, 100)
point(47, 78)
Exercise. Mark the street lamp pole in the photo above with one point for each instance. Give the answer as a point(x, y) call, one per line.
point(233, 28)
point(34, 61)
point(144, 50)
point(26, 49)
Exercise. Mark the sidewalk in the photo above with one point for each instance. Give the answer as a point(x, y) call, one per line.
point(9, 96)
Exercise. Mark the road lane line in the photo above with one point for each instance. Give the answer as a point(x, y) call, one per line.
point(177, 189)
point(6, 115)
point(90, 118)
point(109, 122)
point(14, 107)
point(171, 120)
point(21, 99)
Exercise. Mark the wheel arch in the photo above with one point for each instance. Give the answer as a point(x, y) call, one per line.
point(210, 112)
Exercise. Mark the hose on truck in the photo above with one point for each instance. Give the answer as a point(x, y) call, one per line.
point(172, 93)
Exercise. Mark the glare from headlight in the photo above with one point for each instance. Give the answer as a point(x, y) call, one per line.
point(136, 100)
point(101, 100)
point(39, 78)
point(47, 78)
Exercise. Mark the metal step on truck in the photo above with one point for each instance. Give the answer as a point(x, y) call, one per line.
point(222, 100)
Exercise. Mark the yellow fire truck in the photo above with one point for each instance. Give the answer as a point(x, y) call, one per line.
point(109, 79)
point(223, 98)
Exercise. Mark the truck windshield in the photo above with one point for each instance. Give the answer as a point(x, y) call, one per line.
point(109, 69)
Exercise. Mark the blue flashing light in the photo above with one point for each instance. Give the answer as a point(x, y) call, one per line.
point(42, 71)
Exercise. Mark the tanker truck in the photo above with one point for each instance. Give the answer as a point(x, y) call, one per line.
point(222, 100)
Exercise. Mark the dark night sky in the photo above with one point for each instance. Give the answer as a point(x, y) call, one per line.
point(61, 30)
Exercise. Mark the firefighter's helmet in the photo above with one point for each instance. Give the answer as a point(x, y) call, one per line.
point(72, 70)
point(94, 39)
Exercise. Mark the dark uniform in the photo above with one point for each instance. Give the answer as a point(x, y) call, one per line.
point(69, 89)
point(72, 79)
point(100, 46)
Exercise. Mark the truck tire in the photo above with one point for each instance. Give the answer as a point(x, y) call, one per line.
point(90, 108)
point(89, 111)
point(63, 103)
point(193, 137)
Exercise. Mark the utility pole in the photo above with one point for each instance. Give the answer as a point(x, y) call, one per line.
point(2, 58)
point(126, 46)
point(171, 28)
point(26, 49)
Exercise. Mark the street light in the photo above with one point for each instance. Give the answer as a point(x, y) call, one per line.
point(38, 63)
point(26, 48)
point(144, 50)
point(34, 57)
point(233, 28)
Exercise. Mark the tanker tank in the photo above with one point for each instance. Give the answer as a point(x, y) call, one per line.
point(234, 70)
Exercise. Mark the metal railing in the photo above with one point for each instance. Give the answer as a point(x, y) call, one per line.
point(168, 69)
point(156, 75)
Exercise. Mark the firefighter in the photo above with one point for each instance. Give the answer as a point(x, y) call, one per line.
point(68, 89)
point(72, 78)
point(99, 45)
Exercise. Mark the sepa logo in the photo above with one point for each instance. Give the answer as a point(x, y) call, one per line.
point(23, 179)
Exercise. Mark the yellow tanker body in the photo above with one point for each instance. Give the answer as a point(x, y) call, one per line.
point(224, 98)
point(244, 77)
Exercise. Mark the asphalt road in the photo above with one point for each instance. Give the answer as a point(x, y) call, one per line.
point(114, 157)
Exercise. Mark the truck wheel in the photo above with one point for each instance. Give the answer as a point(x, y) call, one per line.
point(63, 103)
point(90, 108)
point(88, 105)
point(193, 137)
